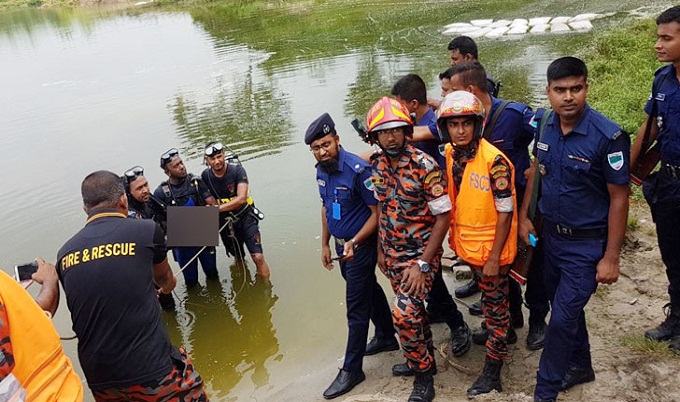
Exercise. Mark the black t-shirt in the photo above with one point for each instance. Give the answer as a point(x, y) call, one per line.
point(227, 185)
point(107, 273)
point(191, 191)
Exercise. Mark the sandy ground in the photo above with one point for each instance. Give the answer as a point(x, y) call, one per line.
point(615, 313)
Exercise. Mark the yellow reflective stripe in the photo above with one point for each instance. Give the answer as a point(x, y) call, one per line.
point(226, 200)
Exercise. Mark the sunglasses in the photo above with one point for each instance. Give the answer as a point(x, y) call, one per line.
point(214, 148)
point(168, 155)
point(132, 173)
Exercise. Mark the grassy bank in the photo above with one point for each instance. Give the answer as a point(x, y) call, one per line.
point(19, 4)
point(621, 66)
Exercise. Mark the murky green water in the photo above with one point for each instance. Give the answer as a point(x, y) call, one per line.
point(90, 89)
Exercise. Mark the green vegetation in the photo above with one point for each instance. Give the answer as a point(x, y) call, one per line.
point(18, 4)
point(622, 64)
point(639, 343)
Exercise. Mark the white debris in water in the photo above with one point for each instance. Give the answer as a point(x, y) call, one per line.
point(584, 17)
point(539, 21)
point(540, 28)
point(479, 33)
point(519, 26)
point(582, 25)
point(481, 23)
point(500, 23)
point(518, 30)
point(559, 20)
point(557, 28)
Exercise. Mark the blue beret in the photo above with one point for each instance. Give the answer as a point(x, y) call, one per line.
point(320, 127)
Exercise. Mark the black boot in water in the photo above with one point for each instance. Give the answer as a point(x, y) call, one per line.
point(423, 388)
point(489, 380)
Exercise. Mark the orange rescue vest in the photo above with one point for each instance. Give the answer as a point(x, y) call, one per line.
point(474, 215)
point(41, 366)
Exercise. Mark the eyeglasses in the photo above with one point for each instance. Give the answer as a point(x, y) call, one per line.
point(167, 156)
point(394, 132)
point(132, 173)
point(213, 148)
point(325, 146)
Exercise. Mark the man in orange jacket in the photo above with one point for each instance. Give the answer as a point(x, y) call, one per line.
point(33, 366)
point(483, 229)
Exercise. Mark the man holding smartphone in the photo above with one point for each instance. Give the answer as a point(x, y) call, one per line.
point(32, 363)
point(349, 213)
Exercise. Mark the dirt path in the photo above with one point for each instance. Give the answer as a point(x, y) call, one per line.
point(627, 368)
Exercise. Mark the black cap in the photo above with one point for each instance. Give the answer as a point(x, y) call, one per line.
point(320, 127)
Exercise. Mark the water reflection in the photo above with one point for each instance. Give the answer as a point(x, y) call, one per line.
point(227, 327)
point(252, 117)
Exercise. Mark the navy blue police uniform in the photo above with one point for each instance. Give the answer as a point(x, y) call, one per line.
point(511, 134)
point(106, 272)
point(664, 194)
point(246, 228)
point(350, 189)
point(576, 169)
point(190, 192)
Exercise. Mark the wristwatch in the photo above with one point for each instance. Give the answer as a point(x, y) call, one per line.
point(424, 266)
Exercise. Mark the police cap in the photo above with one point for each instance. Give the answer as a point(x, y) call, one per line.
point(320, 127)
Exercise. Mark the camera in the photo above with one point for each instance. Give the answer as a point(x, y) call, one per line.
point(24, 272)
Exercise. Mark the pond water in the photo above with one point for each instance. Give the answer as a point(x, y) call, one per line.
point(89, 89)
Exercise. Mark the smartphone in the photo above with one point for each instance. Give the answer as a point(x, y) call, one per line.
point(25, 272)
point(338, 258)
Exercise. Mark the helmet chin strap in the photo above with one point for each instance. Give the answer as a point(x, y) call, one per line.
point(394, 153)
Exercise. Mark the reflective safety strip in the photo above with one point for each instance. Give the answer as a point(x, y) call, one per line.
point(226, 200)
point(440, 205)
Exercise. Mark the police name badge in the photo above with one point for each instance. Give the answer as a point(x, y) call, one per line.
point(542, 146)
point(615, 160)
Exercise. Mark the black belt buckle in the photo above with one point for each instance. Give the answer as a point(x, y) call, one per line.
point(563, 230)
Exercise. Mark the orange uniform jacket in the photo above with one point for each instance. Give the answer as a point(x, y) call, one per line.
point(473, 214)
point(40, 364)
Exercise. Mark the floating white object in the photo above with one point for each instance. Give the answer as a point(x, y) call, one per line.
point(497, 32)
point(518, 29)
point(560, 20)
point(519, 21)
point(556, 28)
point(539, 21)
point(458, 25)
point(500, 23)
point(479, 33)
point(481, 23)
point(584, 17)
point(539, 28)
point(583, 25)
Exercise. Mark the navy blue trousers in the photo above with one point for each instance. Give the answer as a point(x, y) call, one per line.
point(365, 301)
point(208, 262)
point(569, 267)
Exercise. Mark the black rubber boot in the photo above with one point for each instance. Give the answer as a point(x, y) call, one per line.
point(476, 308)
point(669, 328)
point(536, 335)
point(674, 346)
point(423, 388)
point(480, 335)
point(467, 290)
point(489, 380)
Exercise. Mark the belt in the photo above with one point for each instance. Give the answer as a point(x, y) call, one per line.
point(341, 242)
point(575, 233)
point(671, 170)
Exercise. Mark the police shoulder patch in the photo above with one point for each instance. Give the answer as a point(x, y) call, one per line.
point(368, 183)
point(501, 183)
point(615, 160)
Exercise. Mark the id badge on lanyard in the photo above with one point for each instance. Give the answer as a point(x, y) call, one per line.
point(336, 206)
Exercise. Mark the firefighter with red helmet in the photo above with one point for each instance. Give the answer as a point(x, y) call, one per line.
point(413, 219)
point(483, 229)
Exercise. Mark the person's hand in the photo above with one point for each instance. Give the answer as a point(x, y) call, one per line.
point(326, 257)
point(348, 252)
point(491, 267)
point(526, 226)
point(413, 281)
point(608, 269)
point(46, 272)
point(168, 289)
point(381, 260)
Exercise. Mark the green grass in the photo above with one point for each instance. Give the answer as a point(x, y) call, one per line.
point(621, 65)
point(639, 343)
